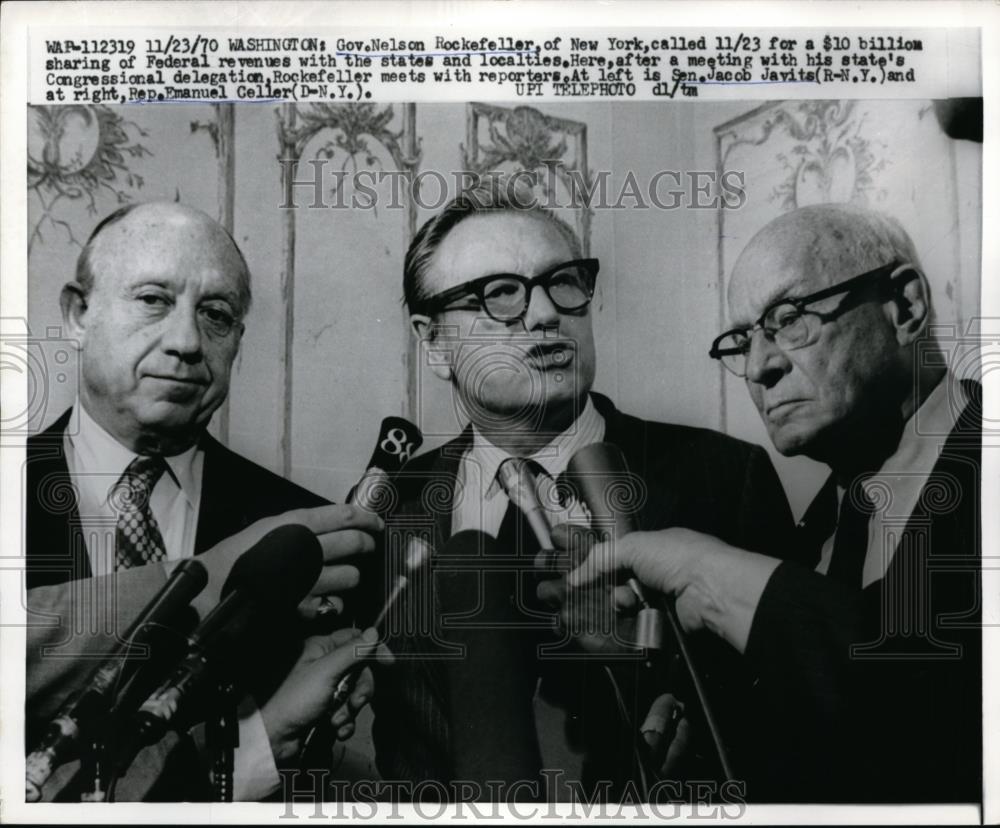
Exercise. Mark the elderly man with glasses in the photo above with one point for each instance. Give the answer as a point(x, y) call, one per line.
point(500, 295)
point(868, 658)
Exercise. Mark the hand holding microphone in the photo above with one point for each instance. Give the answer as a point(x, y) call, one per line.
point(306, 694)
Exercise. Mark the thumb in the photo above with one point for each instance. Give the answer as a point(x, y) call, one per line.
point(338, 661)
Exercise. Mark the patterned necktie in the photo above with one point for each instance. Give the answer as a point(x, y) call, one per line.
point(137, 535)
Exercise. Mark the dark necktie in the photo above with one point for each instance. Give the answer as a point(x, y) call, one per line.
point(850, 544)
point(137, 535)
point(817, 525)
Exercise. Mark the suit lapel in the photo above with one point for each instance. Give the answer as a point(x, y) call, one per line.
point(630, 435)
point(54, 545)
point(444, 474)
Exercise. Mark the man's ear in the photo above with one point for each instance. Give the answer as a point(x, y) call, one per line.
point(73, 303)
point(438, 358)
point(910, 305)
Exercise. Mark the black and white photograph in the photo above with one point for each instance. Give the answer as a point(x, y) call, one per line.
point(569, 455)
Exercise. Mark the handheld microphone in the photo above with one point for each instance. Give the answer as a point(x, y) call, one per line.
point(274, 574)
point(600, 474)
point(601, 477)
point(491, 686)
point(397, 440)
point(85, 712)
point(519, 483)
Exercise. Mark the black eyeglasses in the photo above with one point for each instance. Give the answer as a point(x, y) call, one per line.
point(787, 322)
point(505, 296)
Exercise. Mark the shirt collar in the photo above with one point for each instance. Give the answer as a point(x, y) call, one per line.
point(925, 431)
point(554, 457)
point(97, 452)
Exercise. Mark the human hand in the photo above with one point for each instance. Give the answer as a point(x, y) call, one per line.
point(343, 532)
point(715, 585)
point(308, 690)
point(667, 732)
point(598, 618)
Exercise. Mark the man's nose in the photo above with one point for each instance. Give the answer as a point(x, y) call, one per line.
point(541, 312)
point(766, 362)
point(182, 336)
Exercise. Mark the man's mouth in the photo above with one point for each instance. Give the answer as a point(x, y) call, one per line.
point(176, 379)
point(549, 355)
point(780, 409)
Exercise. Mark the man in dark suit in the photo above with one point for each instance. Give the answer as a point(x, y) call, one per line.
point(499, 296)
point(128, 480)
point(869, 655)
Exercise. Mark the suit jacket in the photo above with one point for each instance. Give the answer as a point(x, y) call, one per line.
point(875, 694)
point(235, 494)
point(693, 477)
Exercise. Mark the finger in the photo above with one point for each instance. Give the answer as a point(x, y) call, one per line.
point(560, 535)
point(625, 599)
point(336, 578)
point(333, 518)
point(552, 560)
point(364, 687)
point(660, 722)
point(331, 641)
point(552, 592)
point(601, 560)
point(339, 661)
point(678, 749)
point(344, 543)
point(343, 715)
point(345, 732)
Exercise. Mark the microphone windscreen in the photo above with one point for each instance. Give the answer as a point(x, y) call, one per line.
point(398, 440)
point(279, 569)
point(600, 477)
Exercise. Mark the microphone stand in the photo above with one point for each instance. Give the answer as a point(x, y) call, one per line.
point(223, 735)
point(92, 767)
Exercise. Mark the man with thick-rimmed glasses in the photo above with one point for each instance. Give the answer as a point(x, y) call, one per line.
point(869, 656)
point(500, 295)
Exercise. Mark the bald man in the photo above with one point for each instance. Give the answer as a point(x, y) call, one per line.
point(157, 309)
point(867, 656)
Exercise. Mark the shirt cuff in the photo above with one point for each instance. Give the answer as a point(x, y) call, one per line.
point(255, 774)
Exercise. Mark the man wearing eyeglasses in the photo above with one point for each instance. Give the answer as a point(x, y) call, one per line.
point(500, 296)
point(868, 657)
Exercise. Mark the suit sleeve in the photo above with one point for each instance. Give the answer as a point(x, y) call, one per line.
point(58, 658)
point(59, 661)
point(765, 519)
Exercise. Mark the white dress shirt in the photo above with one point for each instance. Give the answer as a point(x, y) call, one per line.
point(96, 462)
point(904, 475)
point(481, 502)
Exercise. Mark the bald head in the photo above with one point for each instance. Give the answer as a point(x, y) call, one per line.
point(832, 377)
point(152, 226)
point(812, 248)
point(157, 309)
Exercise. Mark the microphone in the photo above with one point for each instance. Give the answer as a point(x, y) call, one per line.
point(273, 575)
point(519, 483)
point(600, 474)
point(397, 440)
point(85, 712)
point(491, 687)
